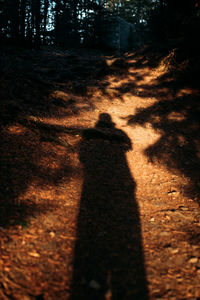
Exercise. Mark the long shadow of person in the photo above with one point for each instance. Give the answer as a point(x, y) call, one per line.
point(108, 258)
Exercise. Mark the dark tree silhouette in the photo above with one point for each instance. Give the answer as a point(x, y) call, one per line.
point(69, 23)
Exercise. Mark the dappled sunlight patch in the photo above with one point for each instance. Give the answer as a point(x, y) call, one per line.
point(132, 61)
point(156, 119)
point(140, 89)
point(39, 194)
point(52, 179)
point(186, 91)
point(116, 63)
point(131, 78)
point(118, 83)
point(67, 104)
point(176, 116)
point(16, 129)
point(50, 120)
point(111, 92)
point(142, 72)
point(42, 194)
point(49, 165)
point(59, 94)
point(35, 161)
point(110, 61)
point(128, 96)
point(149, 77)
point(145, 62)
point(182, 141)
point(94, 92)
point(129, 54)
point(111, 79)
point(145, 136)
point(131, 70)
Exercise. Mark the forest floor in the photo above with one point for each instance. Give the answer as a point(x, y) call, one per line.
point(99, 178)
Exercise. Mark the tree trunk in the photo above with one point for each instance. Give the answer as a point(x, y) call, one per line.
point(22, 19)
point(37, 22)
point(46, 5)
point(57, 22)
point(13, 13)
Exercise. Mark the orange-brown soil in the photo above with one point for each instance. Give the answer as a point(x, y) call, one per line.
point(99, 178)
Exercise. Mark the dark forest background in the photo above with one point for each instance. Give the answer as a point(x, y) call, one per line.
point(54, 78)
point(69, 23)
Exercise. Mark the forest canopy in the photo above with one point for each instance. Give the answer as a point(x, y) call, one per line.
point(75, 22)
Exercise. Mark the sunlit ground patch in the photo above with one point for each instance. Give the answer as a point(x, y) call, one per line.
point(145, 136)
point(176, 116)
point(16, 129)
point(186, 91)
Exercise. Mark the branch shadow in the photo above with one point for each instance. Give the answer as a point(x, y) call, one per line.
point(28, 83)
point(63, 84)
point(178, 148)
point(174, 115)
point(25, 161)
point(108, 256)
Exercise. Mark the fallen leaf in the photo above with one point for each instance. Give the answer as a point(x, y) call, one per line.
point(52, 234)
point(34, 254)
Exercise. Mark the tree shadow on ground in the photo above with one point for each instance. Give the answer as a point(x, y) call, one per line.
point(34, 85)
point(62, 84)
point(178, 148)
point(39, 85)
point(108, 257)
point(48, 83)
point(174, 115)
point(25, 161)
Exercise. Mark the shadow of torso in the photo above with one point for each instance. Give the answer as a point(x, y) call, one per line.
point(108, 253)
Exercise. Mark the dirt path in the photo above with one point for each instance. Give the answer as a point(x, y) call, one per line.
point(109, 212)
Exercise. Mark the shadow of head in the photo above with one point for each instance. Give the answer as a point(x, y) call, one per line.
point(105, 121)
